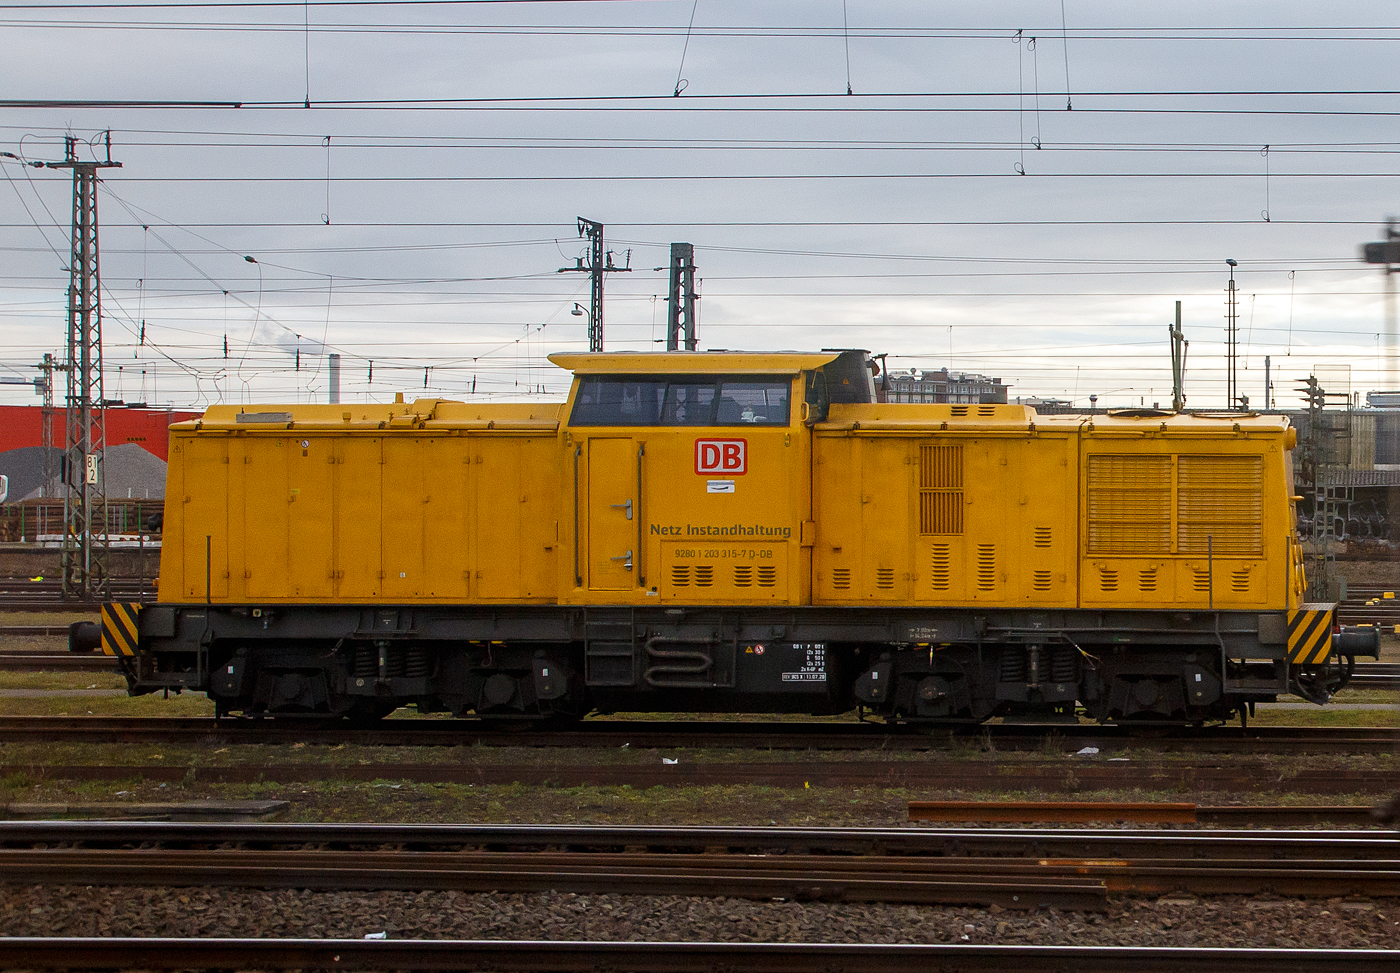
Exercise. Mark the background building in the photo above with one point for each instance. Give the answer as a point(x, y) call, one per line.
point(912, 385)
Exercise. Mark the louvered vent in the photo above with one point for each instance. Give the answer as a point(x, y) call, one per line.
point(1040, 580)
point(1108, 579)
point(767, 575)
point(884, 578)
point(704, 575)
point(1220, 505)
point(1041, 536)
point(841, 578)
point(1239, 581)
point(1200, 580)
point(959, 410)
point(1129, 504)
point(986, 410)
point(1147, 579)
point(743, 575)
point(680, 575)
point(941, 567)
point(986, 567)
point(940, 489)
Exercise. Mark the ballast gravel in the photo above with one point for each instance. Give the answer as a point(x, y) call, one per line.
point(1211, 922)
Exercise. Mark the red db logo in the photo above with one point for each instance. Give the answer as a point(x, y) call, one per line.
point(726, 456)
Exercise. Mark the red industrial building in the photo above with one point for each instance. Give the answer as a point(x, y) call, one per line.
point(22, 426)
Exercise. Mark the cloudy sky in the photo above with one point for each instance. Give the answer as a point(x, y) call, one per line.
point(1018, 189)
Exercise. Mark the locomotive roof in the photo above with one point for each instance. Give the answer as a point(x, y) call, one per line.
point(691, 362)
point(914, 418)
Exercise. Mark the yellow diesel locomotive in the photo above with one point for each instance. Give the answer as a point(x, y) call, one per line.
point(730, 532)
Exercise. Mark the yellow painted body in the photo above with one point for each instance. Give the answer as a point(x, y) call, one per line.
point(438, 502)
point(992, 505)
point(432, 502)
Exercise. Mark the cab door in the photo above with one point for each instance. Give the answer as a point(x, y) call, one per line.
point(614, 507)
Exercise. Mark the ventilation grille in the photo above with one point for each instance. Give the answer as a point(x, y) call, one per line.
point(680, 575)
point(884, 578)
point(986, 567)
point(942, 567)
point(940, 489)
point(841, 578)
point(704, 575)
point(1147, 579)
point(1041, 536)
point(1108, 579)
point(1040, 580)
point(1200, 580)
point(959, 410)
point(743, 575)
point(1219, 505)
point(767, 575)
point(986, 410)
point(1239, 581)
point(1129, 504)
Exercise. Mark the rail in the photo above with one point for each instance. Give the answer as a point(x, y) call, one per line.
point(717, 733)
point(506, 956)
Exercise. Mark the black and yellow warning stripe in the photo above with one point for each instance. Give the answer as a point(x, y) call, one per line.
point(1310, 634)
point(119, 632)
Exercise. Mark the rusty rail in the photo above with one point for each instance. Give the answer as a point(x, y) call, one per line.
point(649, 957)
point(1083, 812)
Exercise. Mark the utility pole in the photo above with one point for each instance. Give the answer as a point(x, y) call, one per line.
point(681, 306)
point(85, 501)
point(1387, 253)
point(1231, 340)
point(598, 263)
point(1179, 349)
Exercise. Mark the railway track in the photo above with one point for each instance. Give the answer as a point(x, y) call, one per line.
point(1012, 869)
point(507, 956)
point(668, 734)
point(947, 773)
point(1356, 610)
point(27, 595)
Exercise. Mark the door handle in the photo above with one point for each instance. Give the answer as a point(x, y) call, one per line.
point(623, 506)
point(623, 557)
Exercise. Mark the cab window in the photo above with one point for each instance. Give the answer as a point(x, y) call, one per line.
point(680, 400)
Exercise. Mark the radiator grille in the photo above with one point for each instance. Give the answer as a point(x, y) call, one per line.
point(940, 489)
point(1129, 504)
point(1219, 505)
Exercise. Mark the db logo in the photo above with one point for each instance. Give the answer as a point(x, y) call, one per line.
point(727, 456)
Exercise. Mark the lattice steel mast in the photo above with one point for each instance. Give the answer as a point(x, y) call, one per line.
point(85, 502)
point(682, 307)
point(600, 262)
